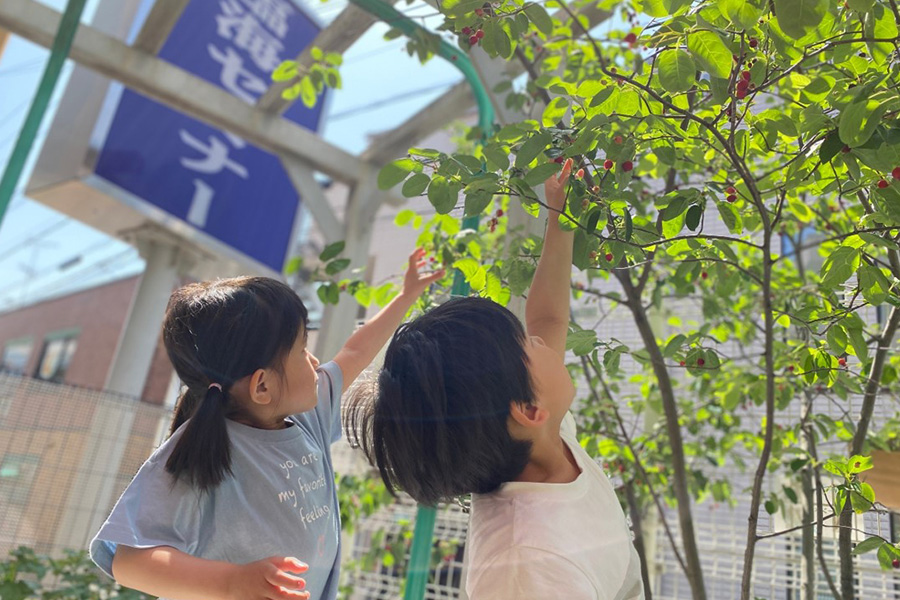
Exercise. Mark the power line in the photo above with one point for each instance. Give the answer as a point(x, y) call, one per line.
point(36, 237)
point(399, 97)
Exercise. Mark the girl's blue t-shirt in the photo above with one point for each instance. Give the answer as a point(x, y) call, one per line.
point(280, 501)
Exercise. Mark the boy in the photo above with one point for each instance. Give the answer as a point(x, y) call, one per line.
point(468, 402)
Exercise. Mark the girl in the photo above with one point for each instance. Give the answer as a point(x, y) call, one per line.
point(470, 402)
point(240, 498)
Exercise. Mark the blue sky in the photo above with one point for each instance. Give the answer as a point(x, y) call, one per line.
point(43, 253)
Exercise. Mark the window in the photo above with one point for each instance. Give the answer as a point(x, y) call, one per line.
point(15, 355)
point(56, 356)
point(16, 476)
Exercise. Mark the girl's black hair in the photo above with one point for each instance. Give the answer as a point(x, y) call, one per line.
point(217, 332)
point(437, 425)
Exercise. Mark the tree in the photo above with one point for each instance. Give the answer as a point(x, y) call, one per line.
point(710, 136)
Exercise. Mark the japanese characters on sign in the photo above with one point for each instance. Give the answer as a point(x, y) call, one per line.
point(213, 179)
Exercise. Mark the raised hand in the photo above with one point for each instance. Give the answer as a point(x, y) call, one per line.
point(414, 282)
point(555, 188)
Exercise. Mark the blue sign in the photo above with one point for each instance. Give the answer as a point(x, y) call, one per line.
point(212, 179)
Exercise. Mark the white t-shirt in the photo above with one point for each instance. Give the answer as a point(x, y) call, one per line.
point(553, 540)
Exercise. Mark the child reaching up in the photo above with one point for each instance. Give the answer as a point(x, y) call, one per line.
point(470, 402)
point(241, 499)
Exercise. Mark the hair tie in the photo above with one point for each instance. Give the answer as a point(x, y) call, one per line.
point(217, 386)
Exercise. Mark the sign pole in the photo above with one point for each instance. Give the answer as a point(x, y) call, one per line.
point(62, 43)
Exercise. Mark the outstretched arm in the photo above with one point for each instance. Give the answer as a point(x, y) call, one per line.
point(364, 344)
point(547, 307)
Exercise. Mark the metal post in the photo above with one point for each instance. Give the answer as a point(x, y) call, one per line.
point(68, 25)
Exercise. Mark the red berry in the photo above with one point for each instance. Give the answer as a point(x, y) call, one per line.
point(896, 173)
point(704, 275)
point(479, 34)
point(791, 368)
point(681, 363)
point(499, 212)
point(731, 197)
point(745, 75)
point(473, 40)
point(631, 38)
point(559, 159)
point(608, 257)
point(882, 183)
point(842, 362)
point(845, 149)
point(627, 166)
point(754, 42)
point(896, 563)
point(607, 164)
point(700, 362)
point(612, 70)
point(579, 174)
point(730, 190)
point(467, 31)
point(479, 12)
point(743, 84)
point(741, 94)
point(618, 139)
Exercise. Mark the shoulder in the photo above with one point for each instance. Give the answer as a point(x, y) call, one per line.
point(331, 379)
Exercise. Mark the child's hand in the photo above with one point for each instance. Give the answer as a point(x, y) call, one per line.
point(555, 188)
point(269, 578)
point(414, 283)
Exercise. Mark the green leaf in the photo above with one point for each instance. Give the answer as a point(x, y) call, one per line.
point(795, 17)
point(293, 265)
point(415, 185)
point(859, 120)
point(873, 284)
point(474, 273)
point(692, 219)
point(520, 275)
point(864, 464)
point(403, 217)
point(868, 545)
point(831, 145)
point(839, 266)
point(395, 172)
point(441, 195)
point(711, 52)
point(540, 18)
point(859, 503)
point(336, 266)
point(676, 71)
point(555, 111)
point(771, 507)
point(581, 342)
point(790, 493)
point(861, 5)
point(743, 13)
point(540, 173)
point(531, 148)
point(477, 201)
point(803, 213)
point(285, 71)
point(730, 216)
point(497, 156)
point(332, 250)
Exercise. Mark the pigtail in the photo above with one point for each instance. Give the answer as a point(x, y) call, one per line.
point(184, 409)
point(203, 453)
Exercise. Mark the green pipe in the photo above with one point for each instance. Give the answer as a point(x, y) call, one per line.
point(423, 534)
point(62, 43)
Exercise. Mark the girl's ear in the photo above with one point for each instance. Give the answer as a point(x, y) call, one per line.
point(261, 387)
point(528, 415)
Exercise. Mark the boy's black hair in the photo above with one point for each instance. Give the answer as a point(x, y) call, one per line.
point(217, 332)
point(437, 426)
